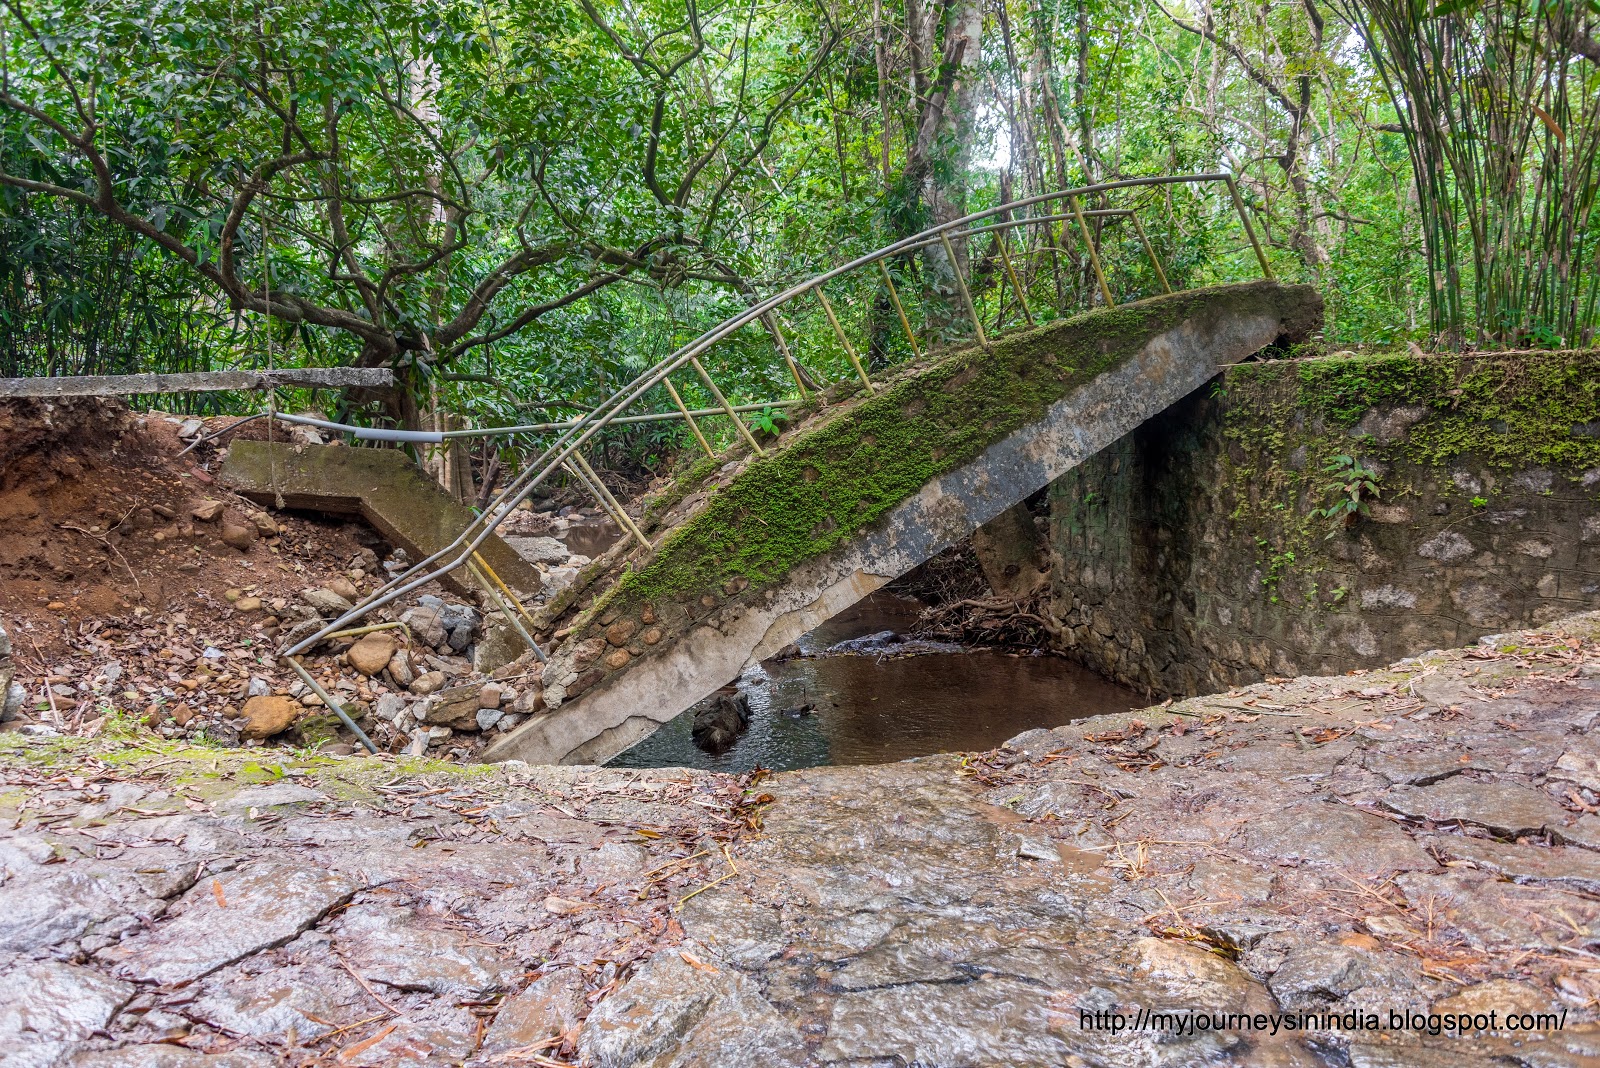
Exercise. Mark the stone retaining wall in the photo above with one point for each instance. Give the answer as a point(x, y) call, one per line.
point(1190, 556)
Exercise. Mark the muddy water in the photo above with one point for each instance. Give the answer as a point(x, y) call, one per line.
point(873, 709)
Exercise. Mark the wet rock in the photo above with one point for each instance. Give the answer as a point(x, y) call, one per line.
point(390, 945)
point(550, 1005)
point(709, 1014)
point(162, 1055)
point(742, 931)
point(229, 916)
point(1504, 808)
point(1334, 835)
point(719, 724)
point(52, 1002)
point(373, 652)
point(266, 716)
point(311, 998)
point(1003, 1022)
point(1315, 975)
point(1577, 869)
point(326, 602)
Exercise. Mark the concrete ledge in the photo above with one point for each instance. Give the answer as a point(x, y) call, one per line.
point(381, 485)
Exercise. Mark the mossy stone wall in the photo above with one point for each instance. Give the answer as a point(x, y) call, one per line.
point(1191, 555)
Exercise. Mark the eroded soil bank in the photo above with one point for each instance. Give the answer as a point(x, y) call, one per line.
point(1415, 839)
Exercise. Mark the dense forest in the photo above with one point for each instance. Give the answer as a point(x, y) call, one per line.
point(518, 206)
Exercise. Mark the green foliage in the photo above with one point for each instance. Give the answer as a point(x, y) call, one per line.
point(1353, 486)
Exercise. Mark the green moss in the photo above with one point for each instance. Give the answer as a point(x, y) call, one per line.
point(848, 471)
point(1505, 410)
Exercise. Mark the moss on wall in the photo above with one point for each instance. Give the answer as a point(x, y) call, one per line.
point(845, 473)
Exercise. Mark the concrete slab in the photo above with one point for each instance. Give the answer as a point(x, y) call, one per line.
point(381, 485)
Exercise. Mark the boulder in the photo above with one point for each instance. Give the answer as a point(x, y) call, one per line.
point(326, 602)
point(719, 724)
point(428, 682)
point(373, 652)
point(426, 626)
point(238, 535)
point(539, 550)
point(266, 716)
point(456, 707)
point(401, 670)
point(346, 589)
point(208, 511)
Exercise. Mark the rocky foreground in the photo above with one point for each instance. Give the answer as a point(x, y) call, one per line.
point(1328, 860)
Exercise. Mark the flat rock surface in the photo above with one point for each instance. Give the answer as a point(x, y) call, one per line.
point(1412, 840)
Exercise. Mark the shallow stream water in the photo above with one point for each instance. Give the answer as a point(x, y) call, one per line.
point(870, 709)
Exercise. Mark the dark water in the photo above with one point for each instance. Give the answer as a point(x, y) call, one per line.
point(872, 710)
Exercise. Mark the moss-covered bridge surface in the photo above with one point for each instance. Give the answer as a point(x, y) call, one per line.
point(751, 552)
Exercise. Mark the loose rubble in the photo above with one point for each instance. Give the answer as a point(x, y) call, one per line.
point(1411, 840)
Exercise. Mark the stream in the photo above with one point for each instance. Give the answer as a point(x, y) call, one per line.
point(878, 707)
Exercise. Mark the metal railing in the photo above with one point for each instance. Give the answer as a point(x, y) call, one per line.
point(563, 454)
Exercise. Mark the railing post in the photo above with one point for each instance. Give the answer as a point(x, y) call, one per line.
point(771, 320)
point(717, 393)
point(849, 349)
point(894, 296)
point(1094, 254)
point(961, 284)
point(1155, 261)
point(1022, 297)
point(1249, 231)
point(693, 426)
point(609, 502)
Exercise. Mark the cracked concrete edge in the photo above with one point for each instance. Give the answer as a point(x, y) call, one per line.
point(626, 708)
point(382, 486)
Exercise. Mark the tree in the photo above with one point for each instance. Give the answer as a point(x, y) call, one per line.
point(420, 180)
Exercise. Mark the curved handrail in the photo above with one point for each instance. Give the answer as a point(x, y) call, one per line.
point(567, 444)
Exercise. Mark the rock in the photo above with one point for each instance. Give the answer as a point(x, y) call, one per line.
point(426, 626)
point(373, 652)
point(229, 916)
point(247, 604)
point(393, 946)
point(266, 716)
point(400, 669)
point(162, 1055)
point(428, 682)
point(538, 550)
point(1334, 835)
point(488, 717)
point(1504, 808)
point(460, 639)
point(617, 658)
point(265, 525)
point(718, 726)
point(456, 707)
point(559, 578)
point(529, 701)
point(489, 696)
point(551, 1005)
point(56, 1002)
point(238, 535)
point(345, 588)
point(620, 631)
point(208, 511)
point(326, 602)
point(390, 705)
